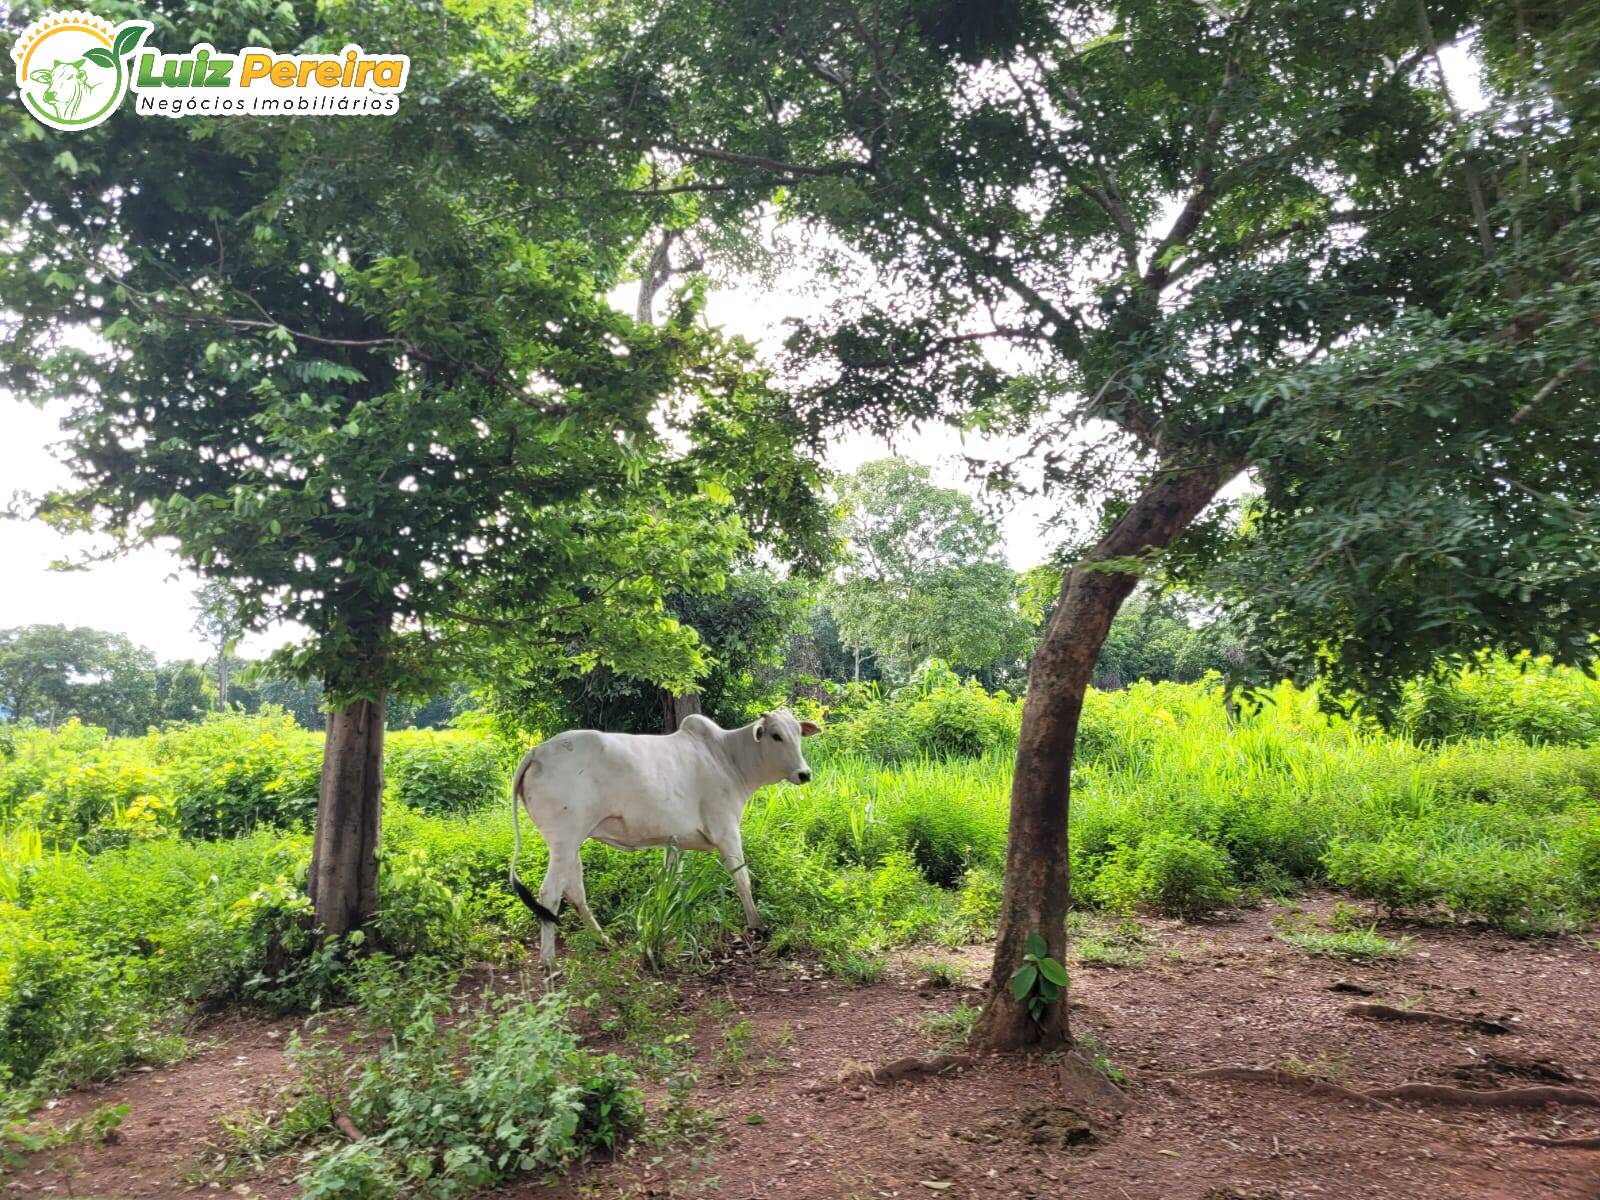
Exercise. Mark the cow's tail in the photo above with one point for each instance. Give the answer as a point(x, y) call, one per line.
point(517, 886)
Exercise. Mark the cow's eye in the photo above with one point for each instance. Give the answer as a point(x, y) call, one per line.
point(777, 737)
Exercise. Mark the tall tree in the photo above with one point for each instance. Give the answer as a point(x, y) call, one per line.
point(1166, 242)
point(182, 692)
point(364, 371)
point(51, 672)
point(923, 576)
point(742, 630)
point(219, 618)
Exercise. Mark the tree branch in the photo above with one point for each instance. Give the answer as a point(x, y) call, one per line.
point(714, 154)
point(1205, 192)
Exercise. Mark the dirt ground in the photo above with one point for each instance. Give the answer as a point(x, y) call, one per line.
point(1221, 994)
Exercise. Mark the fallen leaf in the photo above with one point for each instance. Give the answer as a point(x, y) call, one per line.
point(937, 1185)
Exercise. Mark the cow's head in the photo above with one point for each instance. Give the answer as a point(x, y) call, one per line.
point(778, 737)
point(67, 86)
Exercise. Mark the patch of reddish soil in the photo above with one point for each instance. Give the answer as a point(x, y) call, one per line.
point(1210, 995)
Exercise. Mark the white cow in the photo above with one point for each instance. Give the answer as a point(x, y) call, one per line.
point(683, 791)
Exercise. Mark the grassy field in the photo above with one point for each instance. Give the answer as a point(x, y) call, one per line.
point(142, 876)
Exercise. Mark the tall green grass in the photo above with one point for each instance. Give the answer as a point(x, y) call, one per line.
point(1174, 808)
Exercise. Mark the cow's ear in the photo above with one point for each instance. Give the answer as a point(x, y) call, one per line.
point(809, 728)
point(761, 726)
point(40, 76)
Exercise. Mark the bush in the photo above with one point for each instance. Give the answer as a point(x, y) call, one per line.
point(443, 771)
point(1524, 697)
point(417, 912)
point(1167, 872)
point(451, 1107)
point(936, 715)
point(1397, 872)
point(232, 773)
point(68, 1018)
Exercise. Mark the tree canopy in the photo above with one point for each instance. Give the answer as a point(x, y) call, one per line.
point(366, 372)
point(1163, 243)
point(923, 576)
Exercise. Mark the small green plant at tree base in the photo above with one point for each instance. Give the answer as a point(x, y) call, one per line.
point(1091, 1045)
point(1040, 978)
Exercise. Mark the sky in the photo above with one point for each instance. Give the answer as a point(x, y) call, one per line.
point(148, 594)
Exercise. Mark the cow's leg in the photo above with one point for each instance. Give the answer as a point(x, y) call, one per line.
point(564, 866)
point(581, 903)
point(670, 856)
point(731, 846)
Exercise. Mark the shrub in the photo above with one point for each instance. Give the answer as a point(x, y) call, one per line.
point(417, 912)
point(1524, 697)
point(1512, 889)
point(443, 771)
point(1167, 872)
point(66, 1017)
point(681, 911)
point(936, 715)
point(1397, 872)
point(451, 1107)
point(231, 773)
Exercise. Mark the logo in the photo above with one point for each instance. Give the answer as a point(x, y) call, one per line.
point(72, 67)
point(74, 70)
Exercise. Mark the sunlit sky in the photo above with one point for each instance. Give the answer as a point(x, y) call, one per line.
point(147, 594)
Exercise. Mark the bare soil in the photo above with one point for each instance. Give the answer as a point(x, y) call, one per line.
point(1222, 994)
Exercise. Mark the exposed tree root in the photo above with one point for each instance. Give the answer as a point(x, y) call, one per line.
point(910, 1067)
point(1421, 1016)
point(1435, 1093)
point(1085, 1087)
point(1288, 1079)
point(1346, 985)
point(1571, 1143)
point(1530, 1097)
point(348, 1127)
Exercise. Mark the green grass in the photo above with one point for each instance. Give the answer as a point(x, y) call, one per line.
point(110, 917)
point(940, 973)
point(1355, 945)
point(952, 1030)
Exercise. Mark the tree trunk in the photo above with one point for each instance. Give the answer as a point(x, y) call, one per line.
point(344, 856)
point(675, 707)
point(1037, 885)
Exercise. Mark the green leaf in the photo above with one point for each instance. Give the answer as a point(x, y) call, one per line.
point(99, 56)
point(1022, 982)
point(1053, 971)
point(1036, 945)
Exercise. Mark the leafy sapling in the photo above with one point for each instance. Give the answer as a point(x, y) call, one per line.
point(1039, 981)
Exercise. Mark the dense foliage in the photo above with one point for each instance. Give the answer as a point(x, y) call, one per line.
point(900, 838)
